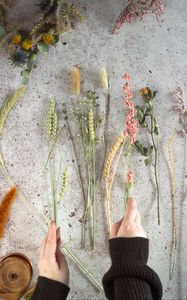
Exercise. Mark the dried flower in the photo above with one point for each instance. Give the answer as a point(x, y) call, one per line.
point(48, 38)
point(144, 91)
point(131, 124)
point(27, 44)
point(17, 39)
point(91, 125)
point(5, 207)
point(138, 9)
point(52, 120)
point(112, 153)
point(64, 183)
point(104, 79)
point(75, 78)
point(180, 105)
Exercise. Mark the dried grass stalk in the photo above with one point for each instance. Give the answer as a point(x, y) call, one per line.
point(9, 103)
point(91, 125)
point(75, 78)
point(5, 207)
point(104, 79)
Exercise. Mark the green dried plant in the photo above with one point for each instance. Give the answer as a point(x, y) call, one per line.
point(148, 121)
point(85, 114)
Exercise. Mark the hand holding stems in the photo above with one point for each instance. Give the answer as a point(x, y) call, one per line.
point(52, 263)
point(130, 224)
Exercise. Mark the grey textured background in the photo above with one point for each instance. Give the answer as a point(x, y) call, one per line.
point(154, 55)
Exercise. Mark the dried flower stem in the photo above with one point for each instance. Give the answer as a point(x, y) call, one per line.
point(173, 197)
point(5, 207)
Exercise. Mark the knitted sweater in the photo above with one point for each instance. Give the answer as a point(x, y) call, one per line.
point(129, 277)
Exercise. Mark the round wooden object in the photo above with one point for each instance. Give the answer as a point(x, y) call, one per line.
point(15, 276)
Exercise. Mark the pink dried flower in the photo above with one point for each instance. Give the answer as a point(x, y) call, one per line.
point(126, 77)
point(131, 124)
point(138, 9)
point(130, 176)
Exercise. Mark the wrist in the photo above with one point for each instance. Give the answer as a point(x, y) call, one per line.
point(133, 251)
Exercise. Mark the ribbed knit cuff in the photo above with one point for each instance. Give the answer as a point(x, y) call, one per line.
point(129, 251)
point(51, 289)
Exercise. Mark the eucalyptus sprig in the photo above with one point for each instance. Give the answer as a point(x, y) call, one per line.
point(148, 121)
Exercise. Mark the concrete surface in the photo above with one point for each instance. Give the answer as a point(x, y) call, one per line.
point(154, 55)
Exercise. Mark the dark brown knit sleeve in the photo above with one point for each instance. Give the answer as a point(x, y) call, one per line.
point(48, 289)
point(129, 278)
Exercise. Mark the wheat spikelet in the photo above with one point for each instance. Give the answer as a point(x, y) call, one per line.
point(5, 207)
point(75, 78)
point(9, 103)
point(104, 79)
point(52, 120)
point(64, 183)
point(115, 147)
point(91, 125)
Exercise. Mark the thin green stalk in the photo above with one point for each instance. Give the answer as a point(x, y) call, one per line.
point(155, 168)
point(94, 196)
point(53, 189)
point(45, 225)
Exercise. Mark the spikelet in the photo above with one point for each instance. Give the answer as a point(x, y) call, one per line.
point(111, 155)
point(9, 103)
point(52, 120)
point(75, 78)
point(64, 183)
point(5, 207)
point(104, 79)
point(91, 125)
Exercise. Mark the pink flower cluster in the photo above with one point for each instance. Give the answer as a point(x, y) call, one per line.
point(131, 124)
point(130, 176)
point(138, 9)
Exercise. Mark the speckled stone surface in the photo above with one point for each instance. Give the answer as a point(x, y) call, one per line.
point(154, 55)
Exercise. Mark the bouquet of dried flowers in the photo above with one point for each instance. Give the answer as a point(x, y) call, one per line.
point(138, 9)
point(84, 113)
point(148, 121)
point(24, 45)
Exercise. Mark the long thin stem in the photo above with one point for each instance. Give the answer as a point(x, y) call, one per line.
point(45, 225)
point(155, 168)
point(173, 197)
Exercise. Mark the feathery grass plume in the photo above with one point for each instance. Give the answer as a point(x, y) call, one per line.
point(75, 78)
point(91, 125)
point(104, 79)
point(9, 103)
point(115, 147)
point(52, 120)
point(5, 207)
point(64, 184)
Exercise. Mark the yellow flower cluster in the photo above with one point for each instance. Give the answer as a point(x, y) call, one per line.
point(17, 39)
point(112, 153)
point(27, 44)
point(48, 38)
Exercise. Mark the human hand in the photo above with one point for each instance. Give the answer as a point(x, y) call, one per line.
point(52, 263)
point(130, 224)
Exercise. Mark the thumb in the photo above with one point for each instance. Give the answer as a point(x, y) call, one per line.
point(114, 229)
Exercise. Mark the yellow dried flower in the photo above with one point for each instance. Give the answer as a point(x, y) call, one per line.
point(27, 44)
point(91, 125)
point(112, 153)
point(52, 120)
point(17, 39)
point(64, 183)
point(144, 91)
point(104, 78)
point(75, 78)
point(48, 38)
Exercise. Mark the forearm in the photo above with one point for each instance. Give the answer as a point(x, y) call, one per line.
point(48, 289)
point(129, 276)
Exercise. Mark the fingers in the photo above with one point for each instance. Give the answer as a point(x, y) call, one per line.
point(138, 218)
point(51, 242)
point(131, 211)
point(114, 229)
point(43, 245)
